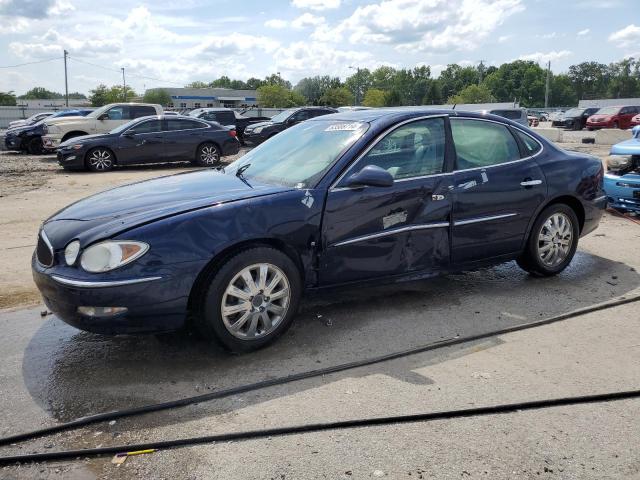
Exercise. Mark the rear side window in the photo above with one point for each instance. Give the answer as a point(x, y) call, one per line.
point(481, 144)
point(149, 126)
point(224, 118)
point(531, 146)
point(141, 111)
point(183, 124)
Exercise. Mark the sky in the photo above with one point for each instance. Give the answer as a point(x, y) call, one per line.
point(171, 43)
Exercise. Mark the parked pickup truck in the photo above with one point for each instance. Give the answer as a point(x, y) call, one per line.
point(227, 118)
point(102, 120)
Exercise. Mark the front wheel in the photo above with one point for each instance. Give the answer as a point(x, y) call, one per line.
point(35, 146)
point(552, 242)
point(99, 160)
point(251, 300)
point(208, 155)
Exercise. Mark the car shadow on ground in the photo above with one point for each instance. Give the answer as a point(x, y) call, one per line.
point(71, 373)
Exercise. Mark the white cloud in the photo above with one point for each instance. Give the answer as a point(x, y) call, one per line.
point(548, 36)
point(627, 37)
point(541, 57)
point(33, 8)
point(307, 20)
point(310, 58)
point(276, 23)
point(316, 4)
point(584, 32)
point(233, 44)
point(434, 25)
point(504, 38)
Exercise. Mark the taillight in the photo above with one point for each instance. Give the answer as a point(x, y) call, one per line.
point(233, 133)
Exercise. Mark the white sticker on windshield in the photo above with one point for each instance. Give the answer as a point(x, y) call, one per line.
point(342, 127)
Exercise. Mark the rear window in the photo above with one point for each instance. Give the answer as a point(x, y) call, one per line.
point(141, 111)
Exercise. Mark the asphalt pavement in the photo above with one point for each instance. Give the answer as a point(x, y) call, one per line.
point(50, 372)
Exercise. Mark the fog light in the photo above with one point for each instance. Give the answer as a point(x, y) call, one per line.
point(101, 311)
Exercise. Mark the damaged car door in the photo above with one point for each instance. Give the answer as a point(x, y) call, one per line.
point(373, 228)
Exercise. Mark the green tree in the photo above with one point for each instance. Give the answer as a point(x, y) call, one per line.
point(254, 83)
point(561, 92)
point(116, 94)
point(314, 88)
point(7, 99)
point(337, 97)
point(157, 95)
point(39, 93)
point(197, 84)
point(98, 96)
point(589, 79)
point(278, 96)
point(521, 81)
point(276, 79)
point(472, 94)
point(359, 83)
point(455, 78)
point(624, 81)
point(77, 96)
point(374, 98)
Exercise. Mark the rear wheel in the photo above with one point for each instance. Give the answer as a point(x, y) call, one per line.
point(552, 242)
point(99, 160)
point(250, 300)
point(208, 155)
point(616, 125)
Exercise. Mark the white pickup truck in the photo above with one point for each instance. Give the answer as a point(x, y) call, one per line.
point(102, 120)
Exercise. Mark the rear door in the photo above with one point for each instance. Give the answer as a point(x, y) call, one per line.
point(371, 232)
point(182, 138)
point(142, 143)
point(497, 188)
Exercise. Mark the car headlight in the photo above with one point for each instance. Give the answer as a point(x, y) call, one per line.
point(71, 252)
point(258, 129)
point(112, 254)
point(77, 146)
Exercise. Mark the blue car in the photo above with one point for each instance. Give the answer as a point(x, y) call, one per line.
point(342, 199)
point(622, 181)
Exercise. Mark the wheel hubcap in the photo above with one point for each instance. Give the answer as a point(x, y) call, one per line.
point(100, 160)
point(555, 240)
point(255, 301)
point(209, 154)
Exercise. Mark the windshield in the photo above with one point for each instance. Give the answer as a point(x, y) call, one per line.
point(96, 113)
point(282, 116)
point(608, 111)
point(299, 156)
point(124, 126)
point(574, 112)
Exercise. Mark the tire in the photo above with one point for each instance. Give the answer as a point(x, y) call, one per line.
point(34, 147)
point(99, 159)
point(616, 125)
point(544, 258)
point(244, 328)
point(208, 155)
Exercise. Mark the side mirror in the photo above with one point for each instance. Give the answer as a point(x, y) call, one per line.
point(104, 116)
point(370, 176)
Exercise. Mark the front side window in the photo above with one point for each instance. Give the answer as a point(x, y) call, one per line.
point(412, 150)
point(120, 112)
point(149, 126)
point(482, 144)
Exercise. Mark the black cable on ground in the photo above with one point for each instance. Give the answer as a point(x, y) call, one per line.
point(320, 427)
point(156, 407)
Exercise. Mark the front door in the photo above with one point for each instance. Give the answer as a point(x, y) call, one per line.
point(371, 232)
point(497, 188)
point(142, 143)
point(114, 117)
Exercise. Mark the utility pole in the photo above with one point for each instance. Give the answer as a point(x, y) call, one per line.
point(124, 85)
point(546, 89)
point(66, 85)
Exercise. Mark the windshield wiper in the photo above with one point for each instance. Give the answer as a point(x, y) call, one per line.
point(240, 171)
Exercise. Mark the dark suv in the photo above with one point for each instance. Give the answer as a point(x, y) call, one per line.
point(259, 132)
point(575, 118)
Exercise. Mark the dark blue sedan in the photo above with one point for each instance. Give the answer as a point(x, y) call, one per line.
point(352, 197)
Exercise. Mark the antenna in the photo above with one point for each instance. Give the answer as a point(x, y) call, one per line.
point(454, 106)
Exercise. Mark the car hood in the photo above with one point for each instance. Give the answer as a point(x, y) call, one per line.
point(108, 213)
point(628, 147)
point(84, 138)
point(262, 124)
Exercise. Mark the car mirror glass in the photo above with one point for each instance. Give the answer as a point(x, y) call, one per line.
point(370, 176)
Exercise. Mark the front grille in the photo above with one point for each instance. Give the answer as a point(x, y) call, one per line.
point(44, 252)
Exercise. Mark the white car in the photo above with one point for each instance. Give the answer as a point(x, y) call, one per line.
point(102, 120)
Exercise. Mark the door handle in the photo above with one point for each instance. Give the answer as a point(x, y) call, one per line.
point(530, 183)
point(436, 198)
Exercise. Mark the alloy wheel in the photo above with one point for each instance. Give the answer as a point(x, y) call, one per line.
point(209, 155)
point(100, 160)
point(256, 301)
point(555, 239)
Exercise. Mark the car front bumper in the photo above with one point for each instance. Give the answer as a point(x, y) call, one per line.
point(623, 192)
point(151, 302)
point(51, 142)
point(13, 142)
point(254, 138)
point(599, 124)
point(70, 158)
